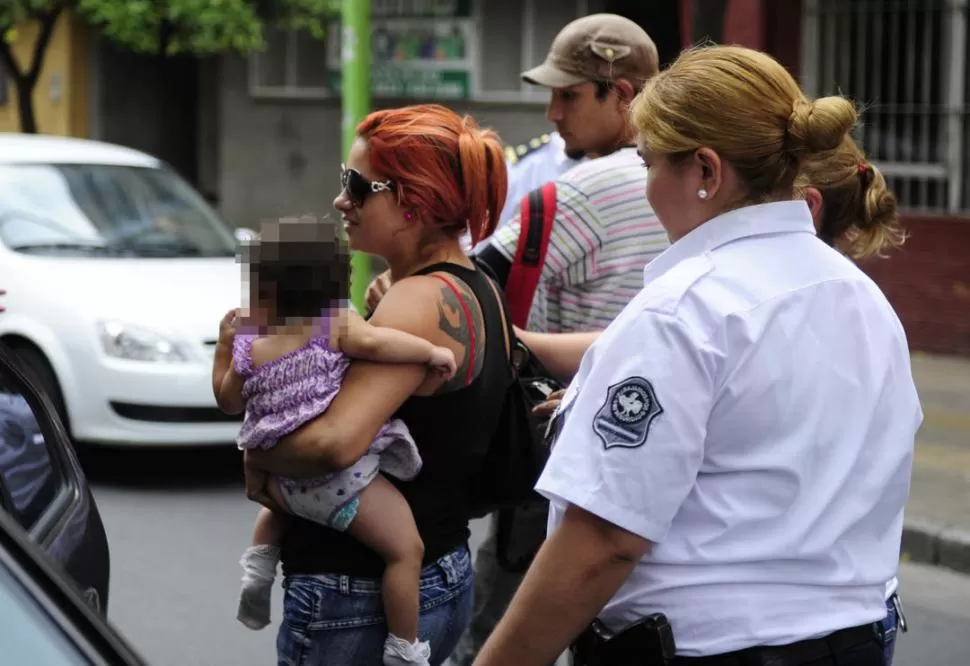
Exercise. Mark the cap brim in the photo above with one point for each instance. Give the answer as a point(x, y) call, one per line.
point(551, 77)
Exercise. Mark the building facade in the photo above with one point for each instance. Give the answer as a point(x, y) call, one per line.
point(61, 102)
point(280, 115)
point(262, 134)
point(905, 63)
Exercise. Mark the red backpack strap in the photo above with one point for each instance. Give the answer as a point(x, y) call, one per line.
point(537, 215)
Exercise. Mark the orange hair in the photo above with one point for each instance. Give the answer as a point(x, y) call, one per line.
point(443, 165)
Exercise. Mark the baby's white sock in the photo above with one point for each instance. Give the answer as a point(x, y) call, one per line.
point(259, 572)
point(398, 652)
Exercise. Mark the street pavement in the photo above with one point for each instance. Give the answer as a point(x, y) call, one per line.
point(938, 512)
point(178, 521)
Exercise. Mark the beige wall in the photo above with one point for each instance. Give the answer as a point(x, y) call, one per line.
point(60, 98)
point(281, 156)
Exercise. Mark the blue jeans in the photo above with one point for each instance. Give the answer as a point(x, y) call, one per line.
point(339, 620)
point(890, 627)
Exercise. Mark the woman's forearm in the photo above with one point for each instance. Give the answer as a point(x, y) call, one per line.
point(577, 570)
point(306, 452)
point(560, 353)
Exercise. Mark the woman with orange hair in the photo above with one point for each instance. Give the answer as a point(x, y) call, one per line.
point(416, 179)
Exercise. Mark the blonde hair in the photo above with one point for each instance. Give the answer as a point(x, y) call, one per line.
point(746, 107)
point(859, 213)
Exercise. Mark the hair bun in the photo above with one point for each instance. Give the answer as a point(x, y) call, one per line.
point(821, 124)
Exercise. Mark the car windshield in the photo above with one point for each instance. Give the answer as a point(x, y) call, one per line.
point(107, 211)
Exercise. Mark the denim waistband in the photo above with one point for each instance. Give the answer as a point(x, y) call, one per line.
point(449, 569)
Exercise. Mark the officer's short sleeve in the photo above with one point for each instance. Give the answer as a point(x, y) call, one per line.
point(632, 439)
point(514, 197)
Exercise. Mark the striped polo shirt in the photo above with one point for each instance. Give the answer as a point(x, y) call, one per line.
point(603, 235)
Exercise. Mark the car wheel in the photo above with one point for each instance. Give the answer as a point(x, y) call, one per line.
point(42, 372)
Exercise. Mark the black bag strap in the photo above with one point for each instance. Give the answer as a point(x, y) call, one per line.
point(510, 337)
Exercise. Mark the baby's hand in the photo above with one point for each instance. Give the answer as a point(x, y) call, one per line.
point(227, 327)
point(442, 362)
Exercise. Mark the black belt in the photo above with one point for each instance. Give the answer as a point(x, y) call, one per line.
point(802, 652)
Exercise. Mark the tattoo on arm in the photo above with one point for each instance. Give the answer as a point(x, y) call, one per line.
point(453, 322)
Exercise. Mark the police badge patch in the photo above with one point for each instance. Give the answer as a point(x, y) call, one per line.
point(625, 418)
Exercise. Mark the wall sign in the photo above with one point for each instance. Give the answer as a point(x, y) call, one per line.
point(419, 48)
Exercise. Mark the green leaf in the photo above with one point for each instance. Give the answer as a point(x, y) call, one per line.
point(199, 27)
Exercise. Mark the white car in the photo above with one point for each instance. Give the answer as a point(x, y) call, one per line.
point(117, 273)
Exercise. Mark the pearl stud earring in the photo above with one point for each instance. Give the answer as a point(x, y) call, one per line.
point(702, 194)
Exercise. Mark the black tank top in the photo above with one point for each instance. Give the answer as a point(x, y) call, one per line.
point(452, 432)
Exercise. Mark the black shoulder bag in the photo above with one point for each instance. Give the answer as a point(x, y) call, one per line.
point(518, 451)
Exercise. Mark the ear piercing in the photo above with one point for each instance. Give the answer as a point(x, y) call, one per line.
point(702, 194)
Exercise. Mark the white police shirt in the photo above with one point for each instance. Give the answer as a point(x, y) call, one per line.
point(541, 163)
point(530, 166)
point(752, 413)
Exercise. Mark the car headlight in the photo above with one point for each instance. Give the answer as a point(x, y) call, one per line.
point(137, 344)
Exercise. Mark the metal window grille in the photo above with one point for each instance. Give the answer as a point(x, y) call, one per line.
point(904, 62)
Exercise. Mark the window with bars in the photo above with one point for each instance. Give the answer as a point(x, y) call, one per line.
point(293, 65)
point(527, 28)
point(508, 37)
point(904, 63)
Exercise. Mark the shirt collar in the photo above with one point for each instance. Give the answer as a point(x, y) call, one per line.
point(779, 217)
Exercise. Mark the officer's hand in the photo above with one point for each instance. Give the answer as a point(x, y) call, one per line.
point(377, 289)
point(549, 406)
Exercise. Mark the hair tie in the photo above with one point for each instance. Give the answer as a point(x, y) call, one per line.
point(864, 175)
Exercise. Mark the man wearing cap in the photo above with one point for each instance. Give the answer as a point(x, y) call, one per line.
point(604, 231)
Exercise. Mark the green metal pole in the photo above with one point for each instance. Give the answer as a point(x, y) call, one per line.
point(355, 87)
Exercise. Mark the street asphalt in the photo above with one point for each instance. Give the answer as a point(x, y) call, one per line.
point(178, 521)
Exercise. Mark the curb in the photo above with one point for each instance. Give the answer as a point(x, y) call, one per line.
point(932, 543)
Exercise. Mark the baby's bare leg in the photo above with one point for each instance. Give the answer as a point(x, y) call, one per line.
point(269, 527)
point(385, 524)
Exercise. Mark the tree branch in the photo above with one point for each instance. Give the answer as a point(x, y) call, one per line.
point(166, 30)
point(47, 24)
point(9, 61)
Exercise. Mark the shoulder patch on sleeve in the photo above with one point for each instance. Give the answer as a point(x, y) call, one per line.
point(510, 155)
point(627, 413)
point(514, 154)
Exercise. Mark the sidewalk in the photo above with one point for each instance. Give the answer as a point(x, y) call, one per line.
point(937, 525)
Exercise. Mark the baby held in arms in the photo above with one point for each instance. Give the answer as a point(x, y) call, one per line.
point(282, 362)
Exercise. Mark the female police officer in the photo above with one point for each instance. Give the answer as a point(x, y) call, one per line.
point(736, 448)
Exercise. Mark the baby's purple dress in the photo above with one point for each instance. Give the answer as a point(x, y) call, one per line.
point(284, 394)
